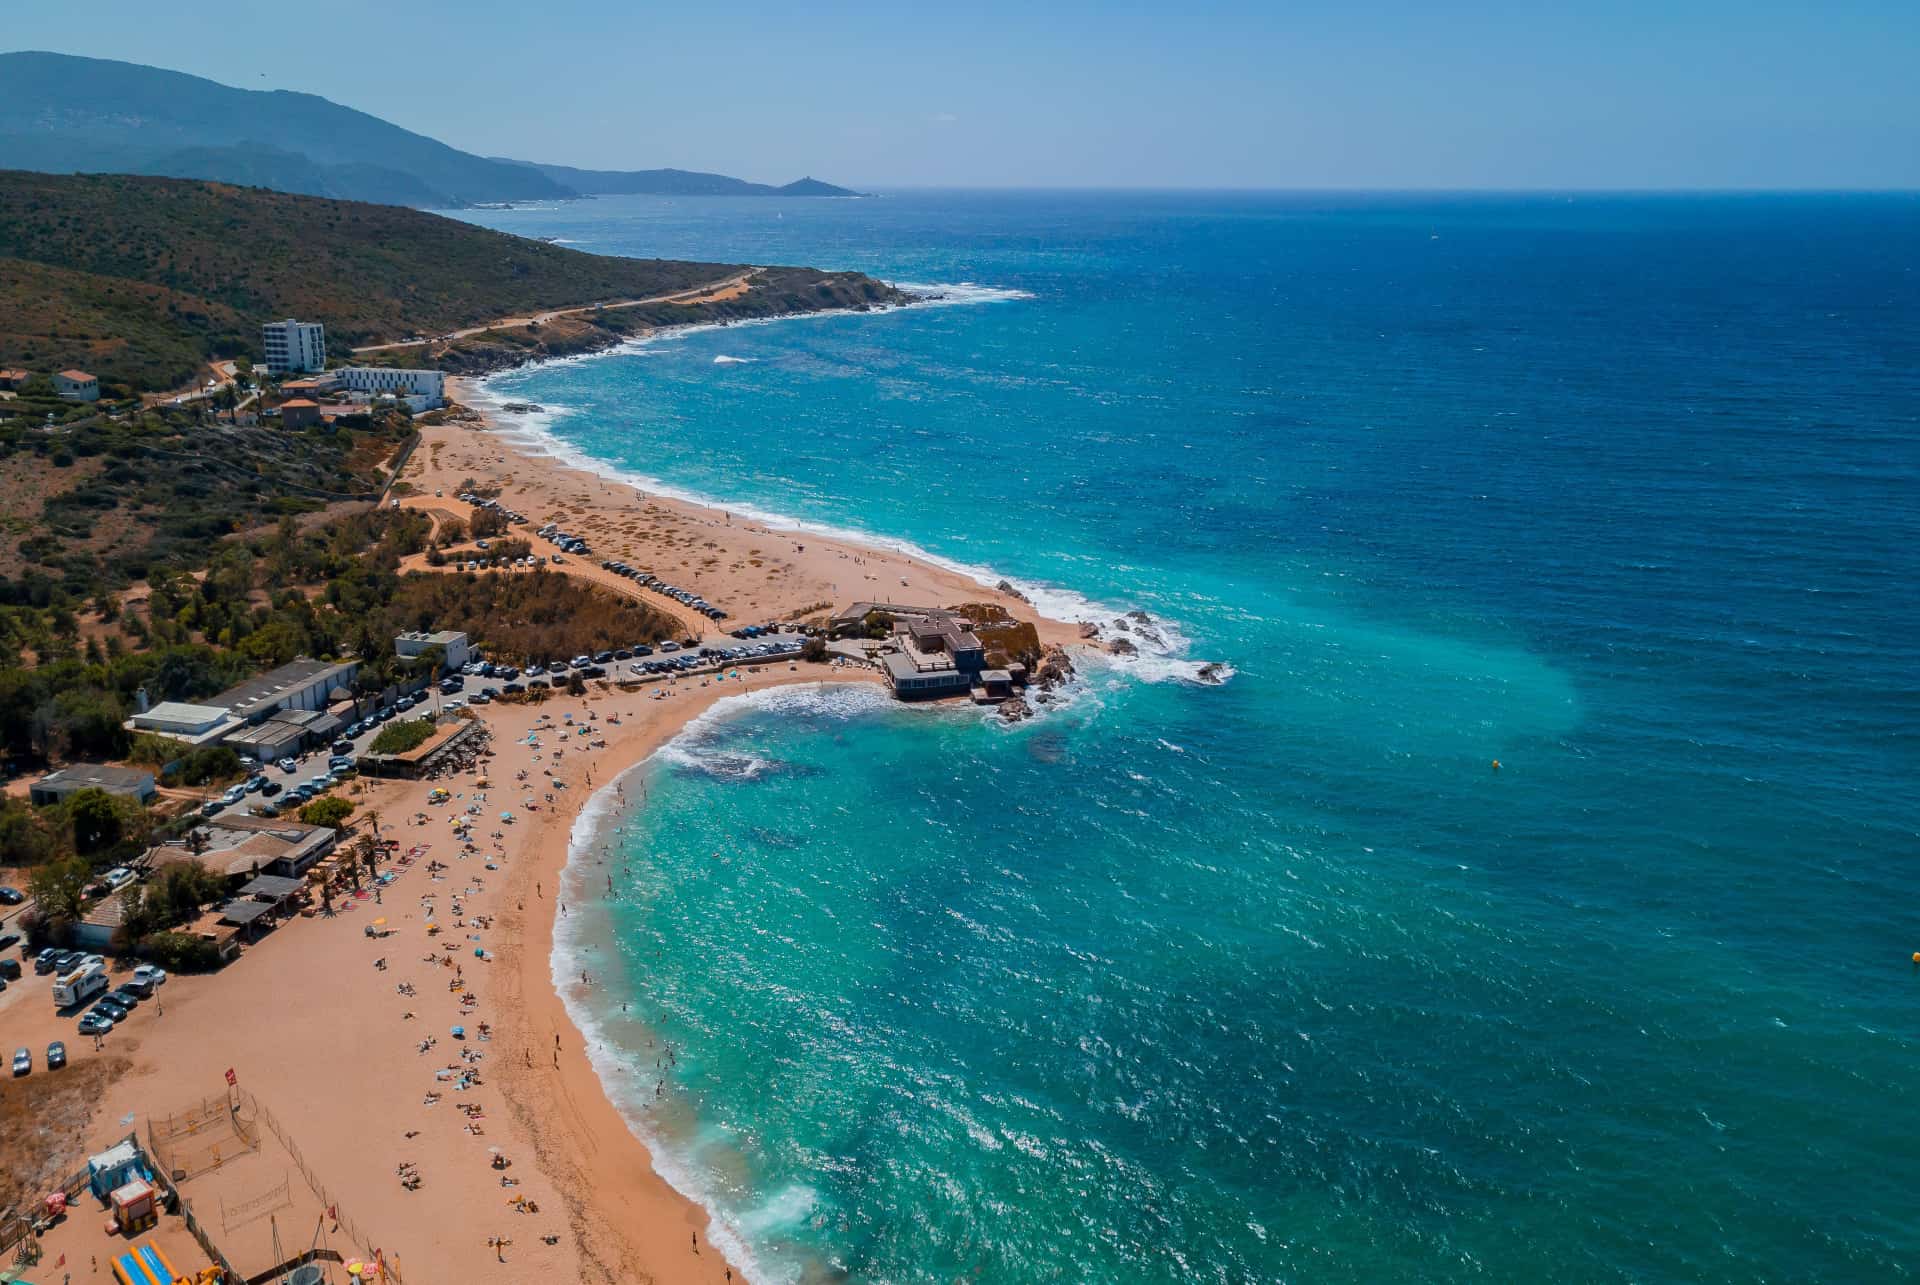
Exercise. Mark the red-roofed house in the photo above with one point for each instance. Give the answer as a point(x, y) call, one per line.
point(299, 413)
point(77, 386)
point(11, 379)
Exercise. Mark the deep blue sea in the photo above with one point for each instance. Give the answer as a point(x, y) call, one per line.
point(1281, 979)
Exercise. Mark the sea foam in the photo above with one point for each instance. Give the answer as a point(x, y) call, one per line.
point(1164, 657)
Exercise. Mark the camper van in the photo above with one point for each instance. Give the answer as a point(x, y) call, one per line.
point(80, 985)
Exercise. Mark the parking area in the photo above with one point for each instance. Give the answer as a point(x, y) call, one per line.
point(637, 663)
point(282, 786)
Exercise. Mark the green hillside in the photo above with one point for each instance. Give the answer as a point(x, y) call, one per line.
point(139, 279)
point(66, 114)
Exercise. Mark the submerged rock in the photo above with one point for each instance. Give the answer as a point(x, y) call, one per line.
point(1140, 616)
point(1211, 672)
point(1013, 709)
point(1120, 623)
point(1123, 647)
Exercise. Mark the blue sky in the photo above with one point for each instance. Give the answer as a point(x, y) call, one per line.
point(1689, 93)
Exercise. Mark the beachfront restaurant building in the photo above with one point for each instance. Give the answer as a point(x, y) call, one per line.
point(914, 678)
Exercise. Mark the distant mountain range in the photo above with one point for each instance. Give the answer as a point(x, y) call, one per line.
point(61, 114)
point(674, 183)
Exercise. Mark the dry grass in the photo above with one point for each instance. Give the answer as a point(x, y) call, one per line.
point(43, 1117)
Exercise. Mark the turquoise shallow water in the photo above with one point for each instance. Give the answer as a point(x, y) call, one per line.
point(1279, 980)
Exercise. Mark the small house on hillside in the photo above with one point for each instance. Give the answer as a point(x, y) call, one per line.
point(299, 413)
point(10, 380)
point(77, 386)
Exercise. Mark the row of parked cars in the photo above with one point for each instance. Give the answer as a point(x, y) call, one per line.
point(81, 977)
point(563, 541)
point(479, 501)
point(647, 580)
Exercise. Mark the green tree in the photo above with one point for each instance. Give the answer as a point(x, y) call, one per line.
point(331, 810)
point(96, 819)
point(59, 890)
point(25, 839)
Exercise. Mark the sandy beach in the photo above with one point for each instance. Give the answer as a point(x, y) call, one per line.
point(328, 1041)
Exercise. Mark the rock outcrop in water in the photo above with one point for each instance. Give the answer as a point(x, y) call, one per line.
point(1056, 667)
point(1089, 630)
point(1011, 592)
point(1123, 647)
point(1211, 672)
point(1013, 709)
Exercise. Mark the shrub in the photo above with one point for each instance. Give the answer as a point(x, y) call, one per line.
point(402, 735)
point(330, 810)
point(181, 952)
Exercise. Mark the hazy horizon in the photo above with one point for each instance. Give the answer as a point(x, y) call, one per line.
point(1383, 97)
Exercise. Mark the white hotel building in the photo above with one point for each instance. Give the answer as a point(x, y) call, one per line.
point(294, 346)
point(421, 389)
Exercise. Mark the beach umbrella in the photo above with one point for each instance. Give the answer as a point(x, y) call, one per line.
point(380, 922)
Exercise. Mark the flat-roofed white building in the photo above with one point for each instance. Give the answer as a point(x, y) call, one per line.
point(194, 724)
point(451, 641)
point(377, 381)
point(294, 345)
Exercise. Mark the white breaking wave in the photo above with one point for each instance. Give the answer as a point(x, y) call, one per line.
point(626, 1084)
point(1163, 657)
point(724, 360)
point(958, 293)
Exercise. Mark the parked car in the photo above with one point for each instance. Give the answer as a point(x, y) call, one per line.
point(150, 973)
point(213, 808)
point(126, 996)
point(92, 1023)
point(56, 1055)
point(111, 1009)
point(343, 747)
point(255, 784)
point(9, 970)
point(11, 896)
point(22, 1061)
point(288, 766)
point(43, 962)
point(270, 789)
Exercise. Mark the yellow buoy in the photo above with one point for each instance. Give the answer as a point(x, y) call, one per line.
point(1496, 765)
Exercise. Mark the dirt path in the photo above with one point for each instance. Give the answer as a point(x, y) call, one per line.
point(713, 292)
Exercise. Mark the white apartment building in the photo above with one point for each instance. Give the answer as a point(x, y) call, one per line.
point(376, 381)
point(294, 345)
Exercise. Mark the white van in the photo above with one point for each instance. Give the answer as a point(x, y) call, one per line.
point(80, 985)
